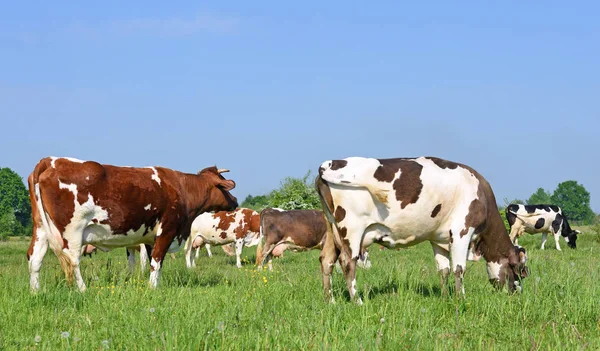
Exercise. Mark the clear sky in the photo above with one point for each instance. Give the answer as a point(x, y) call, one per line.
point(271, 89)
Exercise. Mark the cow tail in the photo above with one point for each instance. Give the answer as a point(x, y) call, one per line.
point(54, 237)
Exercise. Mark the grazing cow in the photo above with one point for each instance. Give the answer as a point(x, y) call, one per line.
point(402, 202)
point(75, 203)
point(298, 230)
point(540, 219)
point(240, 226)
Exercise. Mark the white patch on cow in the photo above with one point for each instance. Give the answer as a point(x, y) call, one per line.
point(159, 229)
point(87, 178)
point(72, 159)
point(147, 207)
point(493, 269)
point(155, 175)
point(35, 260)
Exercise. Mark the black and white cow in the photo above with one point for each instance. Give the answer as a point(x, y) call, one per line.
point(534, 219)
point(405, 201)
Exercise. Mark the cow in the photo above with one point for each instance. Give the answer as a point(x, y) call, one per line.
point(76, 202)
point(240, 226)
point(298, 230)
point(534, 219)
point(401, 202)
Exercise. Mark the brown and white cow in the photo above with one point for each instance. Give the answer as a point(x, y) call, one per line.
point(534, 219)
point(405, 201)
point(298, 230)
point(75, 203)
point(240, 226)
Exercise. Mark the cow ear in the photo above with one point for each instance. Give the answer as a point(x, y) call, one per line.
point(226, 184)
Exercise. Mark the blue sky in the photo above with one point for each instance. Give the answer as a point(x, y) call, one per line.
point(272, 89)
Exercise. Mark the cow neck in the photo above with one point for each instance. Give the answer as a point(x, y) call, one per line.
point(495, 243)
point(195, 188)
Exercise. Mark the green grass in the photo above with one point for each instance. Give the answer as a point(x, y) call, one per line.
point(217, 306)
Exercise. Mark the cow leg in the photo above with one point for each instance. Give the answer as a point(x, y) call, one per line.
point(266, 255)
point(37, 251)
point(328, 257)
point(161, 246)
point(544, 238)
point(349, 268)
point(131, 259)
point(207, 246)
point(442, 261)
point(189, 258)
point(239, 245)
point(460, 250)
point(556, 237)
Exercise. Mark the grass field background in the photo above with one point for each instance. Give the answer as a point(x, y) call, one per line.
point(217, 306)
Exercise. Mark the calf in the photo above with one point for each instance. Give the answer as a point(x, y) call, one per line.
point(298, 230)
point(221, 228)
point(405, 201)
point(76, 202)
point(540, 219)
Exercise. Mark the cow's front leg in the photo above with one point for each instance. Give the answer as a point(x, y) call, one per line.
point(556, 237)
point(239, 245)
point(207, 246)
point(161, 246)
point(328, 257)
point(442, 262)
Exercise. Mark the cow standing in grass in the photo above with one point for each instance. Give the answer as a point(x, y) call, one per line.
point(405, 201)
point(240, 227)
point(534, 219)
point(75, 203)
point(298, 230)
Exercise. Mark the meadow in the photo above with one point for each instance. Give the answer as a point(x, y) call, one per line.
point(217, 306)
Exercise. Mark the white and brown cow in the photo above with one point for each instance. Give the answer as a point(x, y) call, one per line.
point(75, 203)
point(534, 219)
point(297, 230)
point(405, 201)
point(241, 226)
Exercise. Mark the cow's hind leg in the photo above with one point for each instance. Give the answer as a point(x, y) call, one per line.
point(556, 237)
point(544, 238)
point(35, 254)
point(328, 257)
point(459, 249)
point(442, 262)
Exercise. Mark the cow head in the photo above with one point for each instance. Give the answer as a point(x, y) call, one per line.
point(572, 238)
point(517, 269)
point(219, 196)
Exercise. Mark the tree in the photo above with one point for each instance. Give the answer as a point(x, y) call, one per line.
point(540, 197)
point(9, 225)
point(295, 194)
point(574, 200)
point(256, 203)
point(14, 199)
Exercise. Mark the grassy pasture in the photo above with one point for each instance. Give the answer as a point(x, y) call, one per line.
point(217, 306)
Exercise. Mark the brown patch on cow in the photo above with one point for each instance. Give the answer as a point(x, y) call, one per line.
point(65, 244)
point(339, 214)
point(408, 187)
point(223, 235)
point(250, 222)
point(436, 210)
point(444, 163)
point(226, 218)
point(324, 192)
point(387, 170)
point(338, 164)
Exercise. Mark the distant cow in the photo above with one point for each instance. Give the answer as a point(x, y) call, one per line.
point(540, 219)
point(405, 201)
point(145, 251)
point(75, 203)
point(297, 230)
point(240, 226)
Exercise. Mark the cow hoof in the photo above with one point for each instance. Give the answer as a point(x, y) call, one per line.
point(359, 301)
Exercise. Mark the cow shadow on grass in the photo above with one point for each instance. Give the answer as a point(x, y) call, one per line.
point(393, 288)
point(195, 280)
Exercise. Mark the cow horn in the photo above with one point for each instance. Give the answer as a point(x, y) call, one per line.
point(222, 170)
